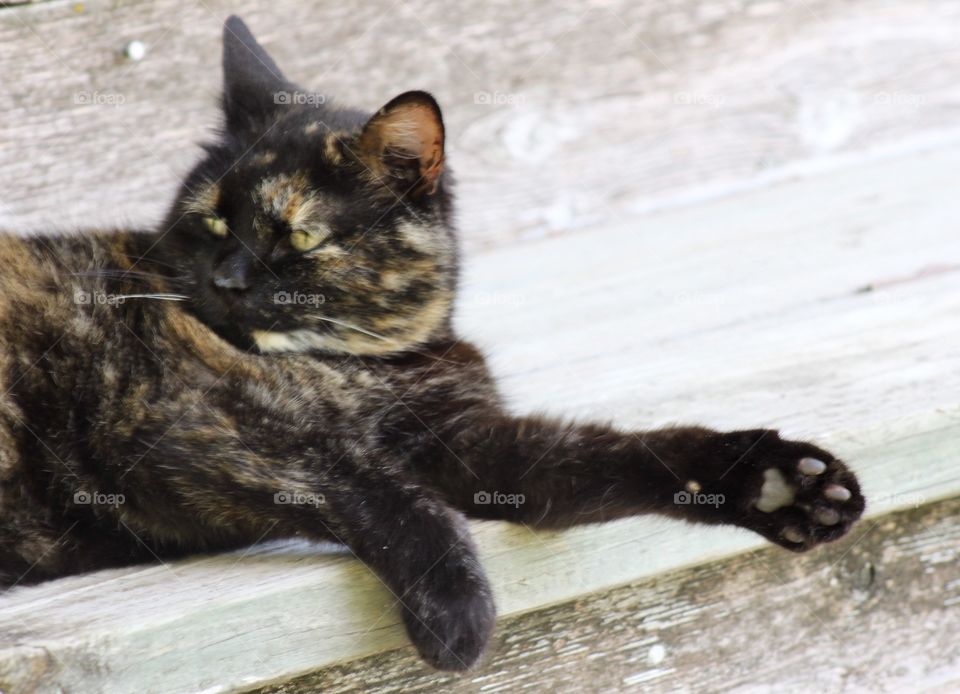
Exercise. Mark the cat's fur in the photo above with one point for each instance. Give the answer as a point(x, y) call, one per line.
point(352, 414)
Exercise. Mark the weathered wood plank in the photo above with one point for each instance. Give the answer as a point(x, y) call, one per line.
point(597, 109)
point(760, 297)
point(877, 612)
point(793, 342)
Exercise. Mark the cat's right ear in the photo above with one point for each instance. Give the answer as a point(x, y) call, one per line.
point(253, 85)
point(402, 144)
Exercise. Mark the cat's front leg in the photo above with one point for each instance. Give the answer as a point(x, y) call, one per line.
point(545, 473)
point(419, 547)
point(423, 552)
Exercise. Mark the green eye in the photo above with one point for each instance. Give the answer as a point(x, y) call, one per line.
point(216, 226)
point(304, 240)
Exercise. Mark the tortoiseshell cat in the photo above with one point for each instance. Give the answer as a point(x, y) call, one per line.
point(310, 384)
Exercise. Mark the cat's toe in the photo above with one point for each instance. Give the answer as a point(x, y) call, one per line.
point(811, 466)
point(837, 492)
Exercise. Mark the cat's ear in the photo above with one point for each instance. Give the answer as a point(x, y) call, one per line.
point(404, 141)
point(252, 83)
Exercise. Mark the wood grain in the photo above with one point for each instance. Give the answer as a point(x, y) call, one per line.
point(818, 292)
point(561, 115)
point(839, 323)
point(874, 613)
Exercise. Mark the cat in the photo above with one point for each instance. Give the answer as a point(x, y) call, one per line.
point(277, 359)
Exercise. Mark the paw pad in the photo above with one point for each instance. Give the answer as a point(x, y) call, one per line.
point(810, 499)
point(836, 492)
point(794, 493)
point(793, 535)
point(775, 493)
point(811, 466)
point(827, 516)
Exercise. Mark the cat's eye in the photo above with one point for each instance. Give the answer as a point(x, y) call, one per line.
point(216, 226)
point(303, 240)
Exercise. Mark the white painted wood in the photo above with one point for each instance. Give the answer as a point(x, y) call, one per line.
point(741, 312)
point(595, 108)
point(869, 614)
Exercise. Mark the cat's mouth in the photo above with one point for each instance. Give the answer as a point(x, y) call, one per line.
point(237, 315)
point(228, 298)
point(224, 312)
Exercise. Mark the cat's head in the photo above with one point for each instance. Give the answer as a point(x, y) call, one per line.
point(312, 227)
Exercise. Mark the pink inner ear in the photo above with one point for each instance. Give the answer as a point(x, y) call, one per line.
point(414, 130)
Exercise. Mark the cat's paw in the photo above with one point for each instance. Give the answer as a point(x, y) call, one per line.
point(793, 493)
point(450, 627)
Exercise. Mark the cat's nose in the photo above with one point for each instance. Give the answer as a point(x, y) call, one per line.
point(233, 272)
point(230, 282)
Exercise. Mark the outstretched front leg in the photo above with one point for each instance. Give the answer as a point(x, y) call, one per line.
point(549, 474)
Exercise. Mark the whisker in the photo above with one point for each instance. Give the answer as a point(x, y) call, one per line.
point(123, 274)
point(159, 297)
point(344, 324)
point(350, 326)
point(152, 261)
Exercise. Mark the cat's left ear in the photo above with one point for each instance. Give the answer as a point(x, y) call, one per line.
point(253, 85)
point(403, 141)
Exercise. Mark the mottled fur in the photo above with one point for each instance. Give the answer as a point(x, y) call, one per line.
point(233, 416)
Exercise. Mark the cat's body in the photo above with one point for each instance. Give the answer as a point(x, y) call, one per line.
point(136, 426)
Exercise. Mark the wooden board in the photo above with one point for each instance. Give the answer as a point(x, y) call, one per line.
point(561, 115)
point(746, 311)
point(875, 613)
